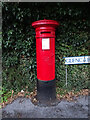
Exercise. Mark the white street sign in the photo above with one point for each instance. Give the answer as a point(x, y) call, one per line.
point(77, 60)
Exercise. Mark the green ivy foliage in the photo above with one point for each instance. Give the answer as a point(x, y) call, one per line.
point(19, 46)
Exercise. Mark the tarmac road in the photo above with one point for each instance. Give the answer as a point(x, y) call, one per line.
point(23, 108)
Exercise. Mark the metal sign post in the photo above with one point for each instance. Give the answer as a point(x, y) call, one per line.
point(66, 75)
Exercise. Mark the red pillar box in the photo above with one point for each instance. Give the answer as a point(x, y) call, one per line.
point(45, 53)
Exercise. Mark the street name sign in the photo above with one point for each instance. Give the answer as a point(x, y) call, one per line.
point(77, 60)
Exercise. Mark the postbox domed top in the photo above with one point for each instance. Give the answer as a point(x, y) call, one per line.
point(41, 23)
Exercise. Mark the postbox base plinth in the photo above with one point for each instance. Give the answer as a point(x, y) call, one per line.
point(46, 92)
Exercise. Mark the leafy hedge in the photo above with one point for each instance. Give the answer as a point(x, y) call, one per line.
point(19, 46)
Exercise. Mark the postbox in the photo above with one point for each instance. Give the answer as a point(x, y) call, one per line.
point(45, 57)
point(45, 49)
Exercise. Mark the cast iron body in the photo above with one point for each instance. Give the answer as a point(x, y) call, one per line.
point(45, 54)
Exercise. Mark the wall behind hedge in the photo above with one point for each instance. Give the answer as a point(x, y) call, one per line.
point(19, 46)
